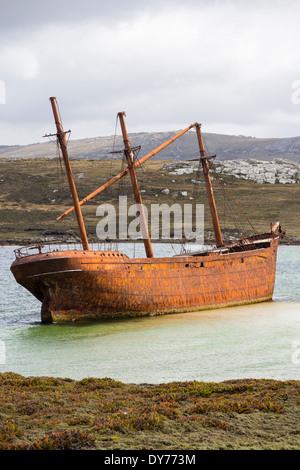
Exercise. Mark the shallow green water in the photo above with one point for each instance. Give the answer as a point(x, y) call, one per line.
point(261, 340)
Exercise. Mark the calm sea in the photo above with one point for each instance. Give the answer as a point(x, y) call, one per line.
point(255, 341)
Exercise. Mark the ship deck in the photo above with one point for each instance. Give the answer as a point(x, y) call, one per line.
point(246, 244)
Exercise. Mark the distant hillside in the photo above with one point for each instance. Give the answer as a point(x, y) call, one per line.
point(226, 147)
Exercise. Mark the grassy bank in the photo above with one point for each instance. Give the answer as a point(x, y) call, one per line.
point(56, 413)
point(33, 193)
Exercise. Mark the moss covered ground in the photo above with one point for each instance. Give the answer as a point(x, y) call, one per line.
point(46, 413)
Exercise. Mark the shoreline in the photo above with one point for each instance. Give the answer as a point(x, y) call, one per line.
point(30, 242)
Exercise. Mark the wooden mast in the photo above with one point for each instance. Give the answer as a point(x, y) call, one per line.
point(129, 153)
point(210, 194)
point(61, 135)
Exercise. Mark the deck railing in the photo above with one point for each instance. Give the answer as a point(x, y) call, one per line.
point(62, 246)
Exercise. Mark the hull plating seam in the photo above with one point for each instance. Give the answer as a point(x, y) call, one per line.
point(56, 272)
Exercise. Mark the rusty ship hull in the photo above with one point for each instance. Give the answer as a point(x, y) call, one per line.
point(78, 285)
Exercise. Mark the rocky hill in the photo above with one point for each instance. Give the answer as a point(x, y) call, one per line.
point(278, 170)
point(226, 147)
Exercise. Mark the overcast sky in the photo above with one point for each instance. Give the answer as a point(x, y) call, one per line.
point(233, 65)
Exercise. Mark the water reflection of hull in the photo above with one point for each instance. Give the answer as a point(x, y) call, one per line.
point(92, 285)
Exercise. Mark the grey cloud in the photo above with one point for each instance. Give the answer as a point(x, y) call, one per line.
point(168, 64)
point(26, 14)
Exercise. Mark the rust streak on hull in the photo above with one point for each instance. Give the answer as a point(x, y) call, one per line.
point(94, 285)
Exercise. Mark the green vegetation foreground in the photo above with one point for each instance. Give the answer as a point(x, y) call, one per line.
point(46, 413)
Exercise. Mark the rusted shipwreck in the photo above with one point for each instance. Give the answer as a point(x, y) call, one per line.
point(81, 285)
